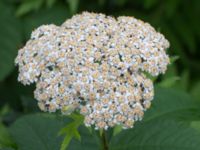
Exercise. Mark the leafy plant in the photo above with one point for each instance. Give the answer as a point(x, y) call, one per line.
point(172, 123)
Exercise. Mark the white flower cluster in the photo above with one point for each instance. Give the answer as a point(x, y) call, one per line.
point(94, 64)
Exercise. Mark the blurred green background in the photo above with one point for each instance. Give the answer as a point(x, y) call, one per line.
point(178, 20)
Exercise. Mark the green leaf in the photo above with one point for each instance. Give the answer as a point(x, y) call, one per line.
point(7, 148)
point(165, 126)
point(73, 5)
point(150, 3)
point(195, 90)
point(186, 35)
point(171, 6)
point(28, 6)
point(88, 141)
point(5, 138)
point(71, 130)
point(169, 82)
point(173, 59)
point(195, 125)
point(50, 3)
point(56, 15)
point(158, 135)
point(10, 39)
point(117, 130)
point(38, 132)
point(172, 103)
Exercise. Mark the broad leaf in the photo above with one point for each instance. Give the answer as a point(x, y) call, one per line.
point(158, 135)
point(165, 126)
point(172, 103)
point(40, 132)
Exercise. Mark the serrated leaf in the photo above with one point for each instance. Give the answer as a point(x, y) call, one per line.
point(71, 130)
point(10, 39)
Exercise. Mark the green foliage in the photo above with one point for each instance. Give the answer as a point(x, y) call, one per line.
point(32, 5)
point(71, 130)
point(73, 5)
point(5, 139)
point(167, 125)
point(157, 135)
point(172, 123)
point(38, 132)
point(10, 40)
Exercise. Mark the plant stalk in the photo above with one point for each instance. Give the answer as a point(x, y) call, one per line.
point(104, 140)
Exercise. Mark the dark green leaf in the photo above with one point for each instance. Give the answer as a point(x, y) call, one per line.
point(5, 139)
point(170, 103)
point(158, 135)
point(54, 15)
point(10, 40)
point(38, 132)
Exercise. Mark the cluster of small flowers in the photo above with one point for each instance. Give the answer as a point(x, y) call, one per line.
point(94, 64)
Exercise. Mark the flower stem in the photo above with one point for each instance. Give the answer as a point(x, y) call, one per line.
point(104, 140)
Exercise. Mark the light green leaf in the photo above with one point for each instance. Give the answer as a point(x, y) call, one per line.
point(173, 59)
point(10, 39)
point(71, 130)
point(169, 82)
point(195, 125)
point(117, 129)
